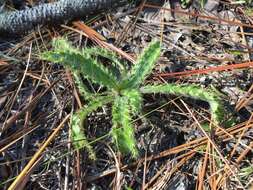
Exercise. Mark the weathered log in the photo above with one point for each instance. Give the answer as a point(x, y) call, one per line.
point(19, 22)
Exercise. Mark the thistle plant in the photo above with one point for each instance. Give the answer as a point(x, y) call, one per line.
point(124, 90)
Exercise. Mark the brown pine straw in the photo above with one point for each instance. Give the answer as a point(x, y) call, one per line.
point(213, 170)
point(34, 101)
point(19, 87)
point(23, 174)
point(164, 179)
point(77, 153)
point(242, 155)
point(244, 100)
point(208, 70)
point(169, 169)
point(239, 139)
point(88, 32)
point(221, 135)
point(3, 63)
point(202, 172)
point(6, 143)
point(195, 14)
point(215, 150)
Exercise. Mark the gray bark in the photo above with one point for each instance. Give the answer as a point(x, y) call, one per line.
point(19, 22)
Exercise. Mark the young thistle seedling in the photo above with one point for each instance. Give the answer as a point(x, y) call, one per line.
point(124, 90)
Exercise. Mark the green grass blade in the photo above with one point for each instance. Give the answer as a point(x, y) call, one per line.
point(122, 131)
point(144, 65)
point(77, 121)
point(193, 91)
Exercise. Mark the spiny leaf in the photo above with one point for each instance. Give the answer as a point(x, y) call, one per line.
point(82, 88)
point(110, 55)
point(77, 121)
point(143, 66)
point(122, 131)
point(134, 99)
point(77, 133)
point(84, 91)
point(61, 44)
point(88, 67)
point(193, 91)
